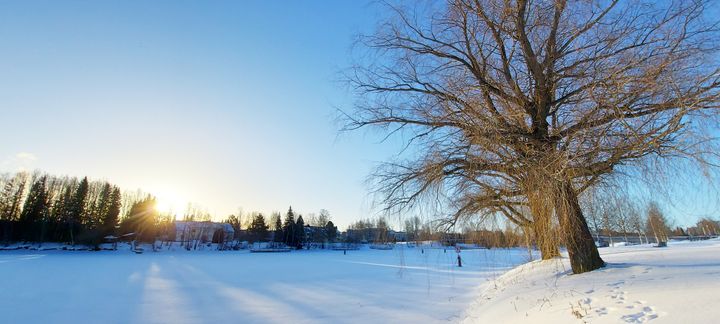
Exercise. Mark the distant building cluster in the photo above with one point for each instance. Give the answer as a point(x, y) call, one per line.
point(206, 231)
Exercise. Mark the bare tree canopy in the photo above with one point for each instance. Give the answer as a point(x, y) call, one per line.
point(516, 107)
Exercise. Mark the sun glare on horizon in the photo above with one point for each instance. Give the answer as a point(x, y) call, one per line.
point(170, 203)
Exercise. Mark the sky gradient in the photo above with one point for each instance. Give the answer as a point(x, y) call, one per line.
point(227, 104)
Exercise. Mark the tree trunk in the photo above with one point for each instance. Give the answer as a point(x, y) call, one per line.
point(542, 227)
point(583, 253)
point(657, 239)
point(543, 238)
point(72, 234)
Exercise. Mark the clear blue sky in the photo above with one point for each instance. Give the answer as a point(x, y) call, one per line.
point(223, 103)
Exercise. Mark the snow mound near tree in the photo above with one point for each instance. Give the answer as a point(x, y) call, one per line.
point(677, 284)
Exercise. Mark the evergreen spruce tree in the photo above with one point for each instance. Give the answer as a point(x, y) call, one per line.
point(11, 200)
point(258, 230)
point(330, 231)
point(278, 237)
point(97, 202)
point(234, 221)
point(142, 220)
point(289, 228)
point(5, 222)
point(33, 216)
point(112, 212)
point(101, 206)
point(60, 212)
point(299, 232)
point(76, 209)
point(8, 208)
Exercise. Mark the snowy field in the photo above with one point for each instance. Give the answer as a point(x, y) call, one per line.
point(365, 286)
point(677, 284)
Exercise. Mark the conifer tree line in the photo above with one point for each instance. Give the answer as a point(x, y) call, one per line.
point(37, 207)
point(288, 231)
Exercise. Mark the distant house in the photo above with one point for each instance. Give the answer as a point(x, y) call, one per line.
point(314, 231)
point(203, 231)
point(398, 236)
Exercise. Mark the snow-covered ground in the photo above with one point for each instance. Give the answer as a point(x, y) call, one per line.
point(403, 285)
point(677, 284)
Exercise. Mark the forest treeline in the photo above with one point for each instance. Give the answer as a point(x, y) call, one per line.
point(37, 207)
point(288, 231)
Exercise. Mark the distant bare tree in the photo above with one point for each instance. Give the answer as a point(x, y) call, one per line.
point(610, 210)
point(517, 107)
point(636, 223)
point(195, 212)
point(627, 213)
point(311, 219)
point(412, 228)
point(707, 226)
point(657, 224)
point(322, 218)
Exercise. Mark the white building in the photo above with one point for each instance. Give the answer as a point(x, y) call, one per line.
point(202, 231)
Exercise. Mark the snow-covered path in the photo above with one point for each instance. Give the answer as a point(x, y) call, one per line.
point(678, 284)
point(366, 286)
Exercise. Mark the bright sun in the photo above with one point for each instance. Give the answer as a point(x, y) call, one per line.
point(168, 203)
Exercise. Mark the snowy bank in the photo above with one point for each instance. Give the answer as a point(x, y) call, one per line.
point(677, 284)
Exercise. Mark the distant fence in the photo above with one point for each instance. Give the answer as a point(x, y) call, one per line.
point(650, 239)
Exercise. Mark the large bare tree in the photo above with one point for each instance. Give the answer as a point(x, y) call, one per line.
point(517, 107)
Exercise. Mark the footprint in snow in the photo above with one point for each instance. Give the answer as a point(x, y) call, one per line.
point(619, 296)
point(617, 284)
point(602, 311)
point(647, 313)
